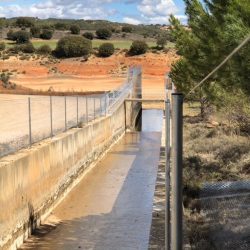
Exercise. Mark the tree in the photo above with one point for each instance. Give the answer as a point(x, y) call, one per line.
point(73, 46)
point(138, 48)
point(88, 35)
point(24, 22)
point(161, 41)
point(106, 49)
point(10, 35)
point(21, 36)
point(127, 29)
point(103, 33)
point(46, 34)
point(75, 29)
point(35, 31)
point(216, 28)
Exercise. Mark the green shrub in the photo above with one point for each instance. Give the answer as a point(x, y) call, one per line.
point(127, 29)
point(10, 35)
point(161, 41)
point(24, 22)
point(61, 26)
point(75, 29)
point(46, 34)
point(103, 33)
point(73, 46)
point(106, 50)
point(44, 50)
point(27, 48)
point(35, 31)
point(21, 36)
point(2, 46)
point(138, 48)
point(89, 35)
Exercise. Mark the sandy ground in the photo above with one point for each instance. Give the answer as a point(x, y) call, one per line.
point(97, 74)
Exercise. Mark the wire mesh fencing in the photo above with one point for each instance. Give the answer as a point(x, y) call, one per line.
point(29, 119)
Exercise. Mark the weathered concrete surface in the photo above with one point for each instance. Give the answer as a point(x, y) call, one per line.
point(32, 180)
point(111, 208)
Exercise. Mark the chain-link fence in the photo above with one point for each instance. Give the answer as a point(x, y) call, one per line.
point(29, 119)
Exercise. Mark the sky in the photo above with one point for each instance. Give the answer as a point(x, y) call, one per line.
point(129, 11)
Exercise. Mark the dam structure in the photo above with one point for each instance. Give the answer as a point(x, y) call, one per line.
point(90, 187)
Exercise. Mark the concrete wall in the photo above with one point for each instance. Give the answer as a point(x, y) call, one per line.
point(33, 180)
point(133, 109)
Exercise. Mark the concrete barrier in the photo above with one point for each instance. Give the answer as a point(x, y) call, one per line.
point(33, 180)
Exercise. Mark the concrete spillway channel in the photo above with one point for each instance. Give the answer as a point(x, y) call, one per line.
point(111, 208)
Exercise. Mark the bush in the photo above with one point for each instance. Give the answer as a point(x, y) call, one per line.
point(47, 34)
point(24, 22)
point(106, 50)
point(88, 35)
point(127, 29)
point(61, 26)
point(35, 31)
point(138, 48)
point(27, 48)
point(44, 50)
point(73, 46)
point(103, 33)
point(75, 29)
point(10, 35)
point(21, 36)
point(161, 41)
point(2, 46)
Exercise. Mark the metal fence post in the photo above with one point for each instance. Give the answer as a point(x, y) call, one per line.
point(87, 113)
point(77, 111)
point(167, 175)
point(51, 117)
point(176, 177)
point(105, 104)
point(100, 106)
point(65, 111)
point(94, 108)
point(30, 131)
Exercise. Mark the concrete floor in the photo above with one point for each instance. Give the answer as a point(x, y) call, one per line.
point(111, 208)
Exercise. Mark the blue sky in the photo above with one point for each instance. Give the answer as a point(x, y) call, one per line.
point(131, 11)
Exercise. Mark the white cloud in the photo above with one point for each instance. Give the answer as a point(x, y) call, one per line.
point(157, 11)
point(131, 20)
point(88, 9)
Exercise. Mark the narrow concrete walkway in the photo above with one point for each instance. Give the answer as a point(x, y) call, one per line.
point(111, 208)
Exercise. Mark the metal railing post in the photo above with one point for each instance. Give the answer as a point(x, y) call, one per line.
point(30, 129)
point(51, 117)
point(100, 106)
point(77, 111)
point(65, 111)
point(105, 104)
point(87, 113)
point(176, 176)
point(94, 108)
point(167, 175)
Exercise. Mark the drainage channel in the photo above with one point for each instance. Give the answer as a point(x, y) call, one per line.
point(111, 208)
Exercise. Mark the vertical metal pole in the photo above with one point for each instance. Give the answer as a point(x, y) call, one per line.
point(65, 111)
point(51, 117)
point(176, 177)
point(105, 104)
point(30, 132)
point(167, 175)
point(94, 108)
point(87, 114)
point(77, 111)
point(100, 105)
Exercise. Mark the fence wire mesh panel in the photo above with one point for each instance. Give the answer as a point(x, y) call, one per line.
point(29, 119)
point(216, 181)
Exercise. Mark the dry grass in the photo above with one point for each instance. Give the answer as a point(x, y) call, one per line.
point(210, 155)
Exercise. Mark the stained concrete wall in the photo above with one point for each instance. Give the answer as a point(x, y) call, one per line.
point(133, 109)
point(33, 180)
